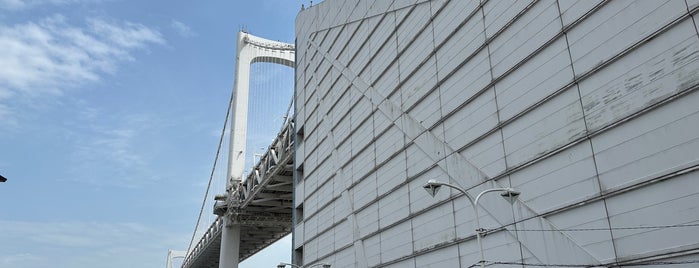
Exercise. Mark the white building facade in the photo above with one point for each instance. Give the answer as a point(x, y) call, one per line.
point(588, 108)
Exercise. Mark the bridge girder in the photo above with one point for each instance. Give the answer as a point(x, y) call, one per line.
point(261, 204)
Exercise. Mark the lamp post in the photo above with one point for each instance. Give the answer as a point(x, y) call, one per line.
point(510, 194)
point(282, 265)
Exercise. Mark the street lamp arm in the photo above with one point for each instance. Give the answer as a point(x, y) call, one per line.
point(324, 265)
point(434, 182)
point(283, 264)
point(432, 186)
point(475, 203)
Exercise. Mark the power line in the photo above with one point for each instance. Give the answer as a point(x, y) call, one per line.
point(607, 229)
point(211, 177)
point(593, 265)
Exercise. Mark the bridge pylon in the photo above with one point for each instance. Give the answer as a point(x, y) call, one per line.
point(250, 49)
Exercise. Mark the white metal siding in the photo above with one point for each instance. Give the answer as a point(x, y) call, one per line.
point(589, 108)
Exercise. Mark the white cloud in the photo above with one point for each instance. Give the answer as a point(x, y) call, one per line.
point(16, 260)
point(182, 29)
point(126, 35)
point(16, 5)
point(12, 4)
point(51, 55)
point(110, 151)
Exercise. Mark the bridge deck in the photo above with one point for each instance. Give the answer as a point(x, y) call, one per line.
point(262, 205)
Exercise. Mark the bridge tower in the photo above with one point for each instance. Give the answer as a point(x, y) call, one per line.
point(174, 254)
point(250, 49)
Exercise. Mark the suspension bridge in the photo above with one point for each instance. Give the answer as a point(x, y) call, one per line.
point(256, 209)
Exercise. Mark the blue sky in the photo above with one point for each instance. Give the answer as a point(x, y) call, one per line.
point(110, 112)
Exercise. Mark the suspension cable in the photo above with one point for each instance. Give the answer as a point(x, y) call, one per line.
point(213, 169)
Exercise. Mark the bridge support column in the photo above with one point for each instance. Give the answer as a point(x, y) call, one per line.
point(230, 245)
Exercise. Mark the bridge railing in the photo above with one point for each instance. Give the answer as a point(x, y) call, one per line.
point(277, 158)
point(210, 235)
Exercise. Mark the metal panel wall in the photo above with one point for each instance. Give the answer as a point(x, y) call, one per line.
point(589, 108)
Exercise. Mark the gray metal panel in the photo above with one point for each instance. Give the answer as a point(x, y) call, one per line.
point(590, 216)
point(345, 37)
point(400, 4)
point(388, 144)
point(298, 235)
point(471, 121)
point(325, 219)
point(461, 114)
point(535, 80)
point(465, 82)
point(392, 173)
point(671, 202)
point(465, 220)
point(299, 152)
point(310, 249)
point(434, 227)
point(378, 7)
point(325, 195)
point(344, 258)
point(572, 10)
point(363, 163)
point(498, 246)
point(488, 154)
point(562, 179)
point(415, 49)
point(615, 27)
point(342, 209)
point(428, 108)
point(368, 220)
point(372, 247)
point(361, 125)
point(299, 193)
point(537, 26)
point(326, 243)
point(392, 208)
point(342, 121)
point(417, 160)
point(360, 11)
point(310, 227)
point(338, 183)
point(658, 69)
point(499, 13)
point(396, 242)
point(364, 191)
point(357, 48)
point(550, 126)
point(465, 41)
point(655, 144)
point(415, 21)
point(445, 23)
point(692, 4)
point(343, 235)
point(416, 85)
point(448, 257)
point(409, 263)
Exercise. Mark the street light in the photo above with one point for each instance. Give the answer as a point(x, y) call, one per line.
point(282, 265)
point(510, 194)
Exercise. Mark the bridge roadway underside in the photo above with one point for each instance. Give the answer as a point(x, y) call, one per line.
point(261, 205)
point(266, 219)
